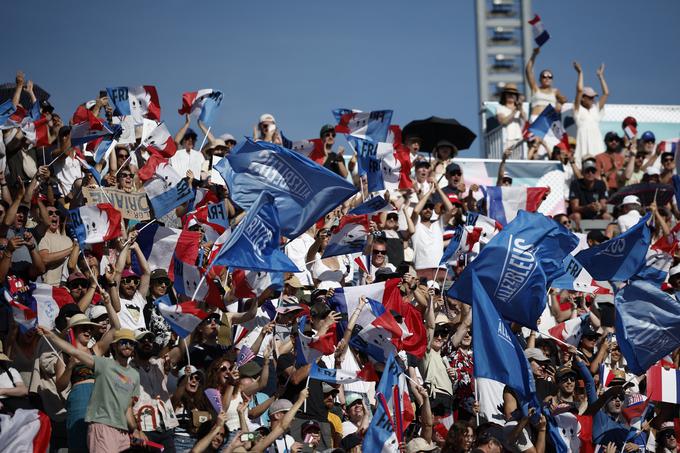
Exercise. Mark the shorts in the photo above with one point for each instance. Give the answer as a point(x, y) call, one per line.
point(106, 439)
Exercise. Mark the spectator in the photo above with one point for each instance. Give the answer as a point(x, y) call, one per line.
point(542, 94)
point(588, 114)
point(630, 214)
point(333, 161)
point(187, 159)
point(266, 130)
point(610, 162)
point(510, 115)
point(588, 196)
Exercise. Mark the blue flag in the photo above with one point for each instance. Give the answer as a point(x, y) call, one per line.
point(496, 351)
point(375, 204)
point(620, 258)
point(380, 435)
point(303, 191)
point(454, 250)
point(516, 267)
point(647, 324)
point(7, 109)
point(254, 244)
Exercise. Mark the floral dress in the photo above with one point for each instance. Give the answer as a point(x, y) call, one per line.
point(463, 384)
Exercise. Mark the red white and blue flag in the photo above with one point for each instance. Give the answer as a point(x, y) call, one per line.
point(503, 203)
point(669, 146)
point(606, 375)
point(160, 142)
point(138, 102)
point(182, 318)
point(488, 226)
point(312, 148)
point(166, 189)
point(309, 349)
point(373, 125)
point(541, 35)
point(339, 376)
point(348, 237)
point(160, 244)
point(40, 304)
point(95, 224)
point(213, 217)
point(571, 330)
point(663, 384)
point(202, 103)
point(631, 131)
point(548, 126)
point(36, 132)
point(247, 283)
point(460, 243)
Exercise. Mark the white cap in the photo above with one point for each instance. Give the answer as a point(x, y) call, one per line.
point(432, 284)
point(267, 117)
point(227, 137)
point(96, 311)
point(631, 199)
point(652, 171)
point(675, 270)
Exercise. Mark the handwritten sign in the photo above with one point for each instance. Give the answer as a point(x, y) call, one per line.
point(133, 205)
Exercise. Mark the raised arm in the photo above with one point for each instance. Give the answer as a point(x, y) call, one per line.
point(19, 79)
point(603, 84)
point(84, 356)
point(421, 203)
point(206, 132)
point(579, 85)
point(182, 130)
point(529, 70)
point(501, 167)
point(145, 278)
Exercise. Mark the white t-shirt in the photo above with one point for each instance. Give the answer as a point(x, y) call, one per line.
point(131, 313)
point(67, 171)
point(6, 382)
point(628, 220)
point(428, 245)
point(183, 161)
point(297, 252)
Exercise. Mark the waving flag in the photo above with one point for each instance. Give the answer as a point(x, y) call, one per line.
point(254, 243)
point(25, 316)
point(187, 277)
point(548, 126)
point(374, 204)
point(182, 318)
point(89, 168)
point(309, 349)
point(7, 109)
point(160, 244)
point(656, 267)
point(577, 278)
point(350, 236)
point(460, 243)
point(138, 102)
point(497, 353)
point(489, 227)
point(103, 149)
point(378, 332)
point(303, 191)
point(37, 132)
point(39, 304)
point(606, 375)
point(340, 376)
point(202, 103)
point(248, 284)
point(663, 385)
point(669, 146)
point(312, 148)
point(166, 189)
point(571, 330)
point(159, 141)
point(89, 131)
point(620, 258)
point(647, 324)
point(517, 266)
point(503, 203)
point(374, 125)
point(631, 131)
point(212, 217)
point(95, 224)
point(541, 36)
point(245, 355)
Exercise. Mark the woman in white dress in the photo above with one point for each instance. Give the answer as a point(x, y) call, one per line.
point(510, 115)
point(587, 115)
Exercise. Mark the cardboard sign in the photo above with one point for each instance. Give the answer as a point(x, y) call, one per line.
point(133, 205)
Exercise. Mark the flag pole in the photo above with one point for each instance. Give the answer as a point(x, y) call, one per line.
point(141, 229)
point(200, 283)
point(186, 347)
point(96, 280)
point(567, 345)
point(477, 401)
point(205, 137)
point(304, 409)
point(49, 343)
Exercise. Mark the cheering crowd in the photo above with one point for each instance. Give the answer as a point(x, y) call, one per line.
point(345, 336)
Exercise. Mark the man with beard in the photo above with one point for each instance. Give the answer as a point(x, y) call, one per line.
point(153, 410)
point(131, 287)
point(665, 438)
point(115, 388)
point(565, 408)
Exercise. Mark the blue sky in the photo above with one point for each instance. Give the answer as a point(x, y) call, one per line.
point(300, 59)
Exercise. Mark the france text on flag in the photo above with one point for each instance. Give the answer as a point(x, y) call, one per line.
point(95, 224)
point(182, 318)
point(647, 324)
point(303, 191)
point(497, 353)
point(138, 102)
point(334, 376)
point(577, 278)
point(517, 265)
point(350, 236)
point(663, 385)
point(503, 203)
point(620, 258)
point(202, 103)
point(374, 125)
point(540, 34)
point(254, 243)
point(213, 217)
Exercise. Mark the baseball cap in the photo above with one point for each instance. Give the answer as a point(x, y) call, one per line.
point(611, 136)
point(564, 371)
point(326, 128)
point(140, 334)
point(293, 281)
point(327, 388)
point(192, 370)
point(454, 199)
point(282, 405)
point(352, 398)
point(631, 199)
point(648, 136)
point(588, 91)
point(227, 138)
point(128, 273)
point(453, 167)
point(250, 369)
point(159, 274)
point(76, 276)
point(96, 312)
point(536, 355)
point(588, 164)
point(310, 425)
point(267, 117)
point(419, 444)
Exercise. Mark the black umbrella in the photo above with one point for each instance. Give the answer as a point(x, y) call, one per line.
point(645, 192)
point(433, 129)
point(7, 91)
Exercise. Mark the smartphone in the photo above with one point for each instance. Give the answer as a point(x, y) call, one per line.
point(248, 437)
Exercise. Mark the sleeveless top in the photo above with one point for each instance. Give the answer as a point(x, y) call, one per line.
point(541, 99)
point(81, 373)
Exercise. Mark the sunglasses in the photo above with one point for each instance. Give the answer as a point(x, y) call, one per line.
point(441, 333)
point(78, 284)
point(195, 377)
point(455, 173)
point(126, 175)
point(566, 222)
point(590, 170)
point(546, 76)
point(52, 212)
point(329, 134)
point(380, 252)
point(126, 342)
point(668, 160)
point(211, 320)
point(223, 368)
point(128, 280)
point(568, 379)
point(619, 397)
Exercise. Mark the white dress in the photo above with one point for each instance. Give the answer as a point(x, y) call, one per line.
point(512, 132)
point(588, 138)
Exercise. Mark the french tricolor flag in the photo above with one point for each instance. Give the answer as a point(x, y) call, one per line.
point(663, 385)
point(460, 243)
point(340, 376)
point(488, 226)
point(657, 264)
point(630, 131)
point(606, 375)
point(36, 132)
point(182, 318)
point(548, 126)
point(309, 349)
point(541, 35)
point(348, 237)
point(312, 148)
point(160, 244)
point(213, 217)
point(24, 316)
point(93, 171)
point(139, 102)
point(160, 142)
point(95, 224)
point(570, 331)
point(48, 300)
point(669, 146)
point(374, 125)
point(187, 277)
point(503, 203)
point(247, 283)
point(202, 103)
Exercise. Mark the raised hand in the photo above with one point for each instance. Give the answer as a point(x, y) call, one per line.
point(600, 71)
point(577, 66)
